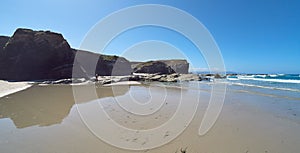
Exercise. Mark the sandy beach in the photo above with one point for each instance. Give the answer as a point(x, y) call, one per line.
point(150, 76)
point(46, 119)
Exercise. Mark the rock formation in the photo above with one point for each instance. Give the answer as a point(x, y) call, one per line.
point(34, 55)
point(153, 67)
point(102, 65)
point(3, 41)
point(161, 67)
point(179, 66)
point(45, 55)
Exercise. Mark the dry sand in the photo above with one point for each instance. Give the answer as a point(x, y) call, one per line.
point(46, 119)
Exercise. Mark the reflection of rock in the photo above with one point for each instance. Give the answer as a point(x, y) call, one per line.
point(45, 105)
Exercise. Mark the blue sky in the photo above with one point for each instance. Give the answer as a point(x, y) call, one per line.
point(254, 36)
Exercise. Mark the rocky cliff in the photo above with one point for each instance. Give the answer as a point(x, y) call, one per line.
point(3, 41)
point(44, 55)
point(103, 65)
point(34, 55)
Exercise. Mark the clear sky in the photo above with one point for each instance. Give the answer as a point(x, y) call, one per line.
point(254, 36)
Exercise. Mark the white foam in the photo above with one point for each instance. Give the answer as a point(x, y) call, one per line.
point(245, 76)
point(261, 76)
point(232, 79)
point(7, 88)
point(269, 80)
point(273, 75)
point(265, 87)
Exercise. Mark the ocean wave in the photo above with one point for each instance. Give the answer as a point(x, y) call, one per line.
point(270, 80)
point(273, 75)
point(265, 87)
point(260, 76)
point(232, 79)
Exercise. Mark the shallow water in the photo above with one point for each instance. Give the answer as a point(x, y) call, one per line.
point(46, 119)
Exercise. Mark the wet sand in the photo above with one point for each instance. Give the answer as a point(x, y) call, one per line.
point(7, 88)
point(46, 119)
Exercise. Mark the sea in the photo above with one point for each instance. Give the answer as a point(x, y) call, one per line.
point(277, 94)
point(284, 85)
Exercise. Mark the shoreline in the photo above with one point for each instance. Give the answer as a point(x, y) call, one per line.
point(248, 122)
point(8, 88)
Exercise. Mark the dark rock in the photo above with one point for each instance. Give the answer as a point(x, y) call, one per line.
point(45, 55)
point(136, 78)
point(156, 78)
point(189, 77)
point(113, 66)
point(153, 67)
point(218, 76)
point(35, 55)
point(3, 41)
point(103, 65)
point(178, 66)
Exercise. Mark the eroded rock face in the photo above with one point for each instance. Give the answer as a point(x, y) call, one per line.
point(3, 41)
point(113, 65)
point(179, 66)
point(102, 65)
point(153, 67)
point(45, 55)
point(161, 67)
point(34, 55)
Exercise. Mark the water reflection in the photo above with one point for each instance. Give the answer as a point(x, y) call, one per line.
point(46, 105)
